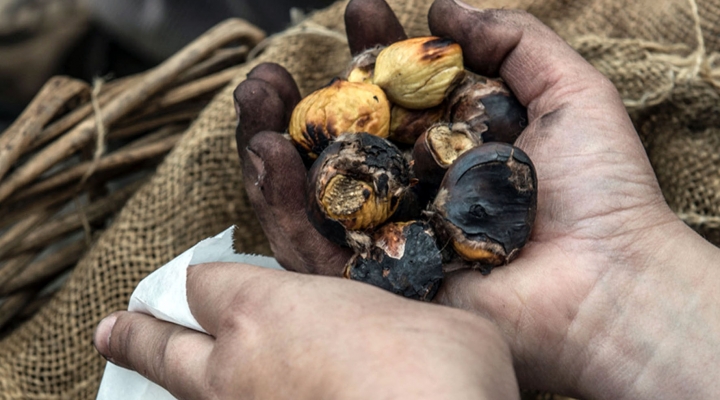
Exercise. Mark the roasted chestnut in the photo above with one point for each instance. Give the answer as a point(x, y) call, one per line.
point(486, 205)
point(418, 73)
point(341, 107)
point(406, 125)
point(489, 107)
point(438, 148)
point(356, 184)
point(403, 259)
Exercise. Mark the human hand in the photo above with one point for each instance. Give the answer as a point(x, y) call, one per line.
point(273, 172)
point(613, 292)
point(282, 335)
point(613, 295)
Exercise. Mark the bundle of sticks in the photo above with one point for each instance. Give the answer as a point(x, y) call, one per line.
point(79, 151)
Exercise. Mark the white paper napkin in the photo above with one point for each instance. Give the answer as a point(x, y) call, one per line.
point(162, 295)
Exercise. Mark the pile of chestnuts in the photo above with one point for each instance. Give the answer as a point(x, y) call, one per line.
point(413, 167)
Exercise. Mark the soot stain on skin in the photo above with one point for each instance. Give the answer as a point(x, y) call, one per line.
point(550, 119)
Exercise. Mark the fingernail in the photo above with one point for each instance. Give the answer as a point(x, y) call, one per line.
point(464, 5)
point(259, 166)
point(101, 339)
point(237, 110)
point(236, 102)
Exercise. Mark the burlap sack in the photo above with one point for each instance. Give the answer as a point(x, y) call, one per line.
point(659, 53)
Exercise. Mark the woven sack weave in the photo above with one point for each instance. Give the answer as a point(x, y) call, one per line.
point(660, 54)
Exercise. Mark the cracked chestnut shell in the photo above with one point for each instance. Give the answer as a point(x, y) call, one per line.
point(438, 148)
point(356, 184)
point(403, 259)
point(489, 107)
point(486, 205)
point(418, 73)
point(341, 107)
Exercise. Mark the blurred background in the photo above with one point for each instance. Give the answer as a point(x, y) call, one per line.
point(111, 38)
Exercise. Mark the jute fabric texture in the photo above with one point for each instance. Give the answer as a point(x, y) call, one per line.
point(661, 54)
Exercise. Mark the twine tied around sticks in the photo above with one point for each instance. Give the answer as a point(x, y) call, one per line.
point(100, 148)
point(101, 129)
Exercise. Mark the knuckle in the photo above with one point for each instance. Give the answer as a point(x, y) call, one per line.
point(221, 381)
point(247, 305)
point(492, 16)
point(134, 344)
point(258, 299)
point(121, 337)
point(158, 366)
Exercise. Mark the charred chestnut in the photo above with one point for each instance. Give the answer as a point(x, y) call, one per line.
point(341, 107)
point(356, 184)
point(489, 107)
point(438, 148)
point(486, 205)
point(403, 259)
point(406, 125)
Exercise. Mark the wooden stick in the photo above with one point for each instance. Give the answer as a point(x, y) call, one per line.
point(57, 227)
point(12, 267)
point(203, 86)
point(45, 268)
point(120, 159)
point(152, 82)
point(15, 235)
point(199, 87)
point(110, 90)
point(221, 59)
point(11, 215)
point(207, 85)
point(49, 102)
point(13, 304)
point(156, 136)
point(148, 124)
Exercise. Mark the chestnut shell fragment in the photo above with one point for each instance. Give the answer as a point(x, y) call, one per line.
point(404, 260)
point(486, 205)
point(356, 184)
point(437, 149)
point(489, 107)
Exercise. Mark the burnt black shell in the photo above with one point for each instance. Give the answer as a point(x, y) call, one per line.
point(375, 152)
point(489, 107)
point(416, 275)
point(487, 200)
point(507, 118)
